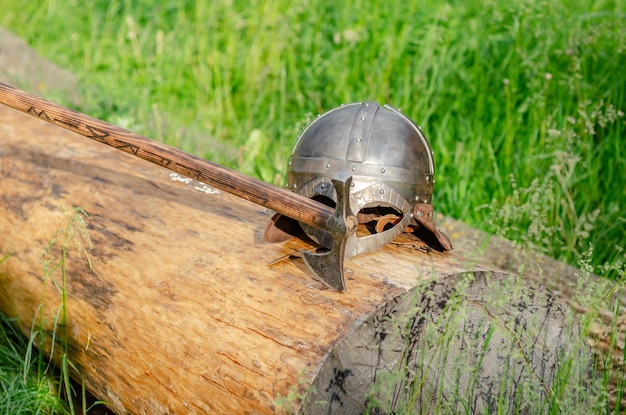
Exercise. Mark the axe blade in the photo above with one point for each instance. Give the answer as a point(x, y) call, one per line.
point(340, 223)
point(328, 266)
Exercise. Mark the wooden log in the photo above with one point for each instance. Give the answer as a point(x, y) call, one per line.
point(180, 309)
point(607, 331)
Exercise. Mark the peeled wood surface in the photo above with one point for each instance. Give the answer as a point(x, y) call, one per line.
point(180, 310)
point(30, 211)
point(296, 206)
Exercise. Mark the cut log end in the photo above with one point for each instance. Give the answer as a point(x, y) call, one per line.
point(179, 311)
point(479, 340)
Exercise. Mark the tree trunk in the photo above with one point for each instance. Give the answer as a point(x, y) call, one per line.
point(175, 304)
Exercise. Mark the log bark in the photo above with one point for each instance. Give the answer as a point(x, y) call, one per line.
point(181, 308)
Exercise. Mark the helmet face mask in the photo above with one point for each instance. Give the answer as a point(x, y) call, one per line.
point(390, 161)
point(368, 200)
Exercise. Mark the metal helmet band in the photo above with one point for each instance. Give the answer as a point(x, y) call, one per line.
point(390, 161)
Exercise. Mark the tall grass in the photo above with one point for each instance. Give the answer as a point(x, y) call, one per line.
point(50, 333)
point(505, 347)
point(35, 373)
point(523, 101)
point(503, 89)
point(21, 390)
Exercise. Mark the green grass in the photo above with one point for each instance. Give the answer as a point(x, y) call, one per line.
point(26, 386)
point(35, 373)
point(529, 90)
point(22, 391)
point(447, 365)
point(523, 101)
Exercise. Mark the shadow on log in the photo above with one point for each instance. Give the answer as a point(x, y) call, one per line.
point(178, 309)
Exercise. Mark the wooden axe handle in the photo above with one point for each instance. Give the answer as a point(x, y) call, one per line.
point(282, 201)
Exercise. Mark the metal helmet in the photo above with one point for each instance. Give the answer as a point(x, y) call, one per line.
point(392, 170)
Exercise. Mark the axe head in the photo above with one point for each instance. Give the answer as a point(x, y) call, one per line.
point(328, 266)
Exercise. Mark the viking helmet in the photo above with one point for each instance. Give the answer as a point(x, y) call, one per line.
point(392, 170)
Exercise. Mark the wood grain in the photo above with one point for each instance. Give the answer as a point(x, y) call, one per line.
point(180, 311)
point(289, 204)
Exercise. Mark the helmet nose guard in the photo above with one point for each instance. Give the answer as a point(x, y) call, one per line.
point(392, 170)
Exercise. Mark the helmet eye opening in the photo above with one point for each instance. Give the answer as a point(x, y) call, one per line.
point(377, 218)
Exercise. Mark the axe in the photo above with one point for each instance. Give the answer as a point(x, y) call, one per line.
point(339, 222)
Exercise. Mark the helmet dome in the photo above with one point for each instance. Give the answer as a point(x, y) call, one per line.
point(390, 161)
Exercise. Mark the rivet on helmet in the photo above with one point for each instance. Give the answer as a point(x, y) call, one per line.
point(392, 167)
